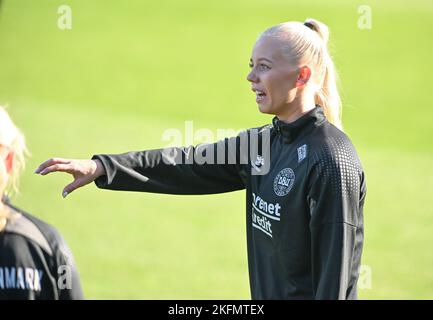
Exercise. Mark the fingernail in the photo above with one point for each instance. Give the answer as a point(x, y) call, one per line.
point(64, 194)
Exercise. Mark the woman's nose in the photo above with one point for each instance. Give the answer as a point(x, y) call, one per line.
point(251, 77)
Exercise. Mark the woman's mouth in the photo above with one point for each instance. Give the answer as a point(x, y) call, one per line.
point(260, 96)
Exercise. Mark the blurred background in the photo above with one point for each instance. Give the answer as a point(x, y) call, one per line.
point(127, 71)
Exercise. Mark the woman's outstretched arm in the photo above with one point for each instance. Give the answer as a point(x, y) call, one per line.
point(203, 169)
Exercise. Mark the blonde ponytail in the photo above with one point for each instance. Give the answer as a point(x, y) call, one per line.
point(327, 95)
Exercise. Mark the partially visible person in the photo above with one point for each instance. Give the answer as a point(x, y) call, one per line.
point(35, 262)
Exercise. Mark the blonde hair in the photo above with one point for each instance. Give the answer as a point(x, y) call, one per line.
point(307, 43)
point(12, 139)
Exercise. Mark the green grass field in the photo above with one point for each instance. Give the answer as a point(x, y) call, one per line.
point(129, 70)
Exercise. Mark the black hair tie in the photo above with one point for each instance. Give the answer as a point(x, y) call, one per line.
point(310, 25)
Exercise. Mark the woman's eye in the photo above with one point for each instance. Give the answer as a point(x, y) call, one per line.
point(261, 66)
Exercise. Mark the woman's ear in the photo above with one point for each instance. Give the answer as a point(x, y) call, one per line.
point(9, 161)
point(303, 77)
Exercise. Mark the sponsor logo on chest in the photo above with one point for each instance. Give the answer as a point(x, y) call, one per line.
point(264, 214)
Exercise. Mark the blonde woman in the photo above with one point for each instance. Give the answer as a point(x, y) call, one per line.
point(35, 262)
point(305, 190)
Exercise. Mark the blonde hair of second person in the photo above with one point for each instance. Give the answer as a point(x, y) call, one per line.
point(12, 160)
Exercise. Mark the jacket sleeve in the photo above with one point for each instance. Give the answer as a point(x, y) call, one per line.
point(202, 169)
point(335, 197)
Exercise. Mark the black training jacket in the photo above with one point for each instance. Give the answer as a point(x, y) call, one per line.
point(305, 191)
point(35, 262)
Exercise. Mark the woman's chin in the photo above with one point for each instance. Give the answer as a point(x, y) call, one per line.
point(263, 108)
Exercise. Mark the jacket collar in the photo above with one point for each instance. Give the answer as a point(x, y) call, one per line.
point(289, 131)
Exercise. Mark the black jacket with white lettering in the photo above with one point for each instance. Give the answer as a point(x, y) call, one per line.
point(35, 262)
point(305, 191)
